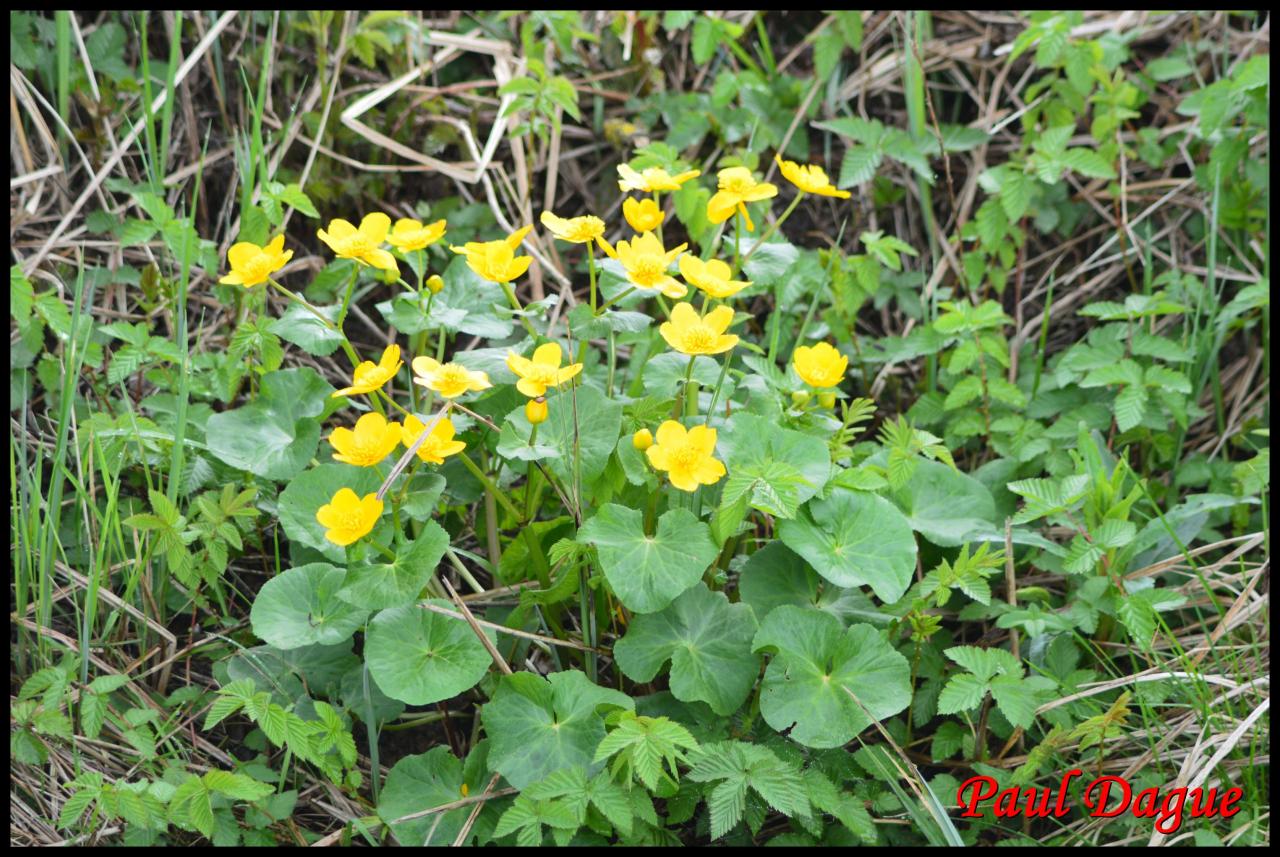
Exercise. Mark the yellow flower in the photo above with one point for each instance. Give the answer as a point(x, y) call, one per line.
point(575, 230)
point(809, 179)
point(821, 365)
point(691, 334)
point(496, 261)
point(686, 456)
point(737, 187)
point(347, 517)
point(372, 440)
point(535, 410)
point(642, 439)
point(251, 264)
point(450, 380)
point(646, 264)
point(643, 215)
point(542, 371)
point(435, 284)
point(412, 235)
point(348, 242)
point(652, 179)
point(370, 376)
point(438, 445)
point(711, 276)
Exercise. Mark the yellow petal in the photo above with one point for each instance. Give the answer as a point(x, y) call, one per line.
point(547, 354)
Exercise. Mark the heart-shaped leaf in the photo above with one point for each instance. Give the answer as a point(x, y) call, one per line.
point(648, 572)
point(774, 576)
point(310, 490)
point(397, 584)
point(300, 607)
point(421, 657)
point(422, 782)
point(707, 640)
point(943, 505)
point(275, 435)
point(814, 662)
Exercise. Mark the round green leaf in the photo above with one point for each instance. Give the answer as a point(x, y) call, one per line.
point(397, 584)
point(648, 572)
point(774, 576)
point(707, 640)
point(310, 490)
point(276, 435)
point(301, 607)
point(539, 725)
point(943, 505)
point(421, 657)
point(814, 661)
point(417, 783)
point(853, 538)
point(598, 424)
point(751, 442)
point(303, 329)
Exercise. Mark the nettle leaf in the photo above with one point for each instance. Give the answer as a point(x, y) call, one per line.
point(648, 572)
point(422, 782)
point(312, 489)
point(705, 638)
point(774, 576)
point(300, 607)
point(814, 661)
point(420, 657)
point(277, 434)
point(944, 505)
point(741, 766)
point(382, 585)
point(758, 445)
point(540, 725)
point(853, 538)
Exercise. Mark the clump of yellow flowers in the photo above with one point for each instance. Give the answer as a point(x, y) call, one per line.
point(682, 448)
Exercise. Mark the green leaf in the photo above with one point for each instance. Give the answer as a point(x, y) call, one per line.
point(420, 657)
point(1089, 163)
point(586, 416)
point(705, 638)
point(756, 445)
point(648, 572)
point(944, 505)
point(963, 692)
point(540, 725)
point(381, 585)
point(421, 782)
point(1017, 697)
point(300, 607)
point(303, 329)
point(236, 786)
point(858, 166)
point(305, 494)
point(277, 434)
point(853, 538)
point(1131, 403)
point(774, 576)
point(814, 661)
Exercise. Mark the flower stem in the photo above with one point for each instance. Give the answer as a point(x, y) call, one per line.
point(615, 299)
point(591, 272)
point(515, 304)
point(724, 370)
point(768, 233)
point(489, 486)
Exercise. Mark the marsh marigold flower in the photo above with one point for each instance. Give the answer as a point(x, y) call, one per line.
point(251, 264)
point(408, 234)
point(435, 284)
point(370, 376)
point(652, 179)
point(542, 371)
point(496, 261)
point(348, 518)
point(362, 244)
point(737, 187)
point(643, 215)
point(372, 440)
point(439, 444)
point(686, 456)
point(820, 365)
point(711, 276)
point(575, 230)
point(691, 334)
point(646, 263)
point(810, 179)
point(450, 380)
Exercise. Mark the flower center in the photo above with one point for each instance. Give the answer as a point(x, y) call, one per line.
point(452, 378)
point(685, 457)
point(737, 184)
point(699, 338)
point(356, 245)
point(258, 267)
point(648, 271)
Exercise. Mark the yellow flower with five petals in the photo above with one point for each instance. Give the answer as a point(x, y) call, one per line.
point(643, 215)
point(450, 380)
point(348, 518)
point(686, 456)
point(646, 263)
point(541, 372)
point(438, 445)
point(575, 230)
point(737, 187)
point(496, 261)
point(251, 264)
point(711, 276)
point(820, 365)
point(691, 334)
point(363, 244)
point(652, 179)
point(810, 179)
point(370, 376)
point(372, 440)
point(408, 235)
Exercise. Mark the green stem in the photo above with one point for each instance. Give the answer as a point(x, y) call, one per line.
point(774, 227)
point(724, 370)
point(591, 272)
point(489, 486)
point(613, 362)
point(515, 304)
point(684, 391)
point(615, 299)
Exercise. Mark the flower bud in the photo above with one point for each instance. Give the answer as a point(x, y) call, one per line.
point(800, 398)
point(642, 439)
point(435, 284)
point(827, 399)
point(535, 410)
